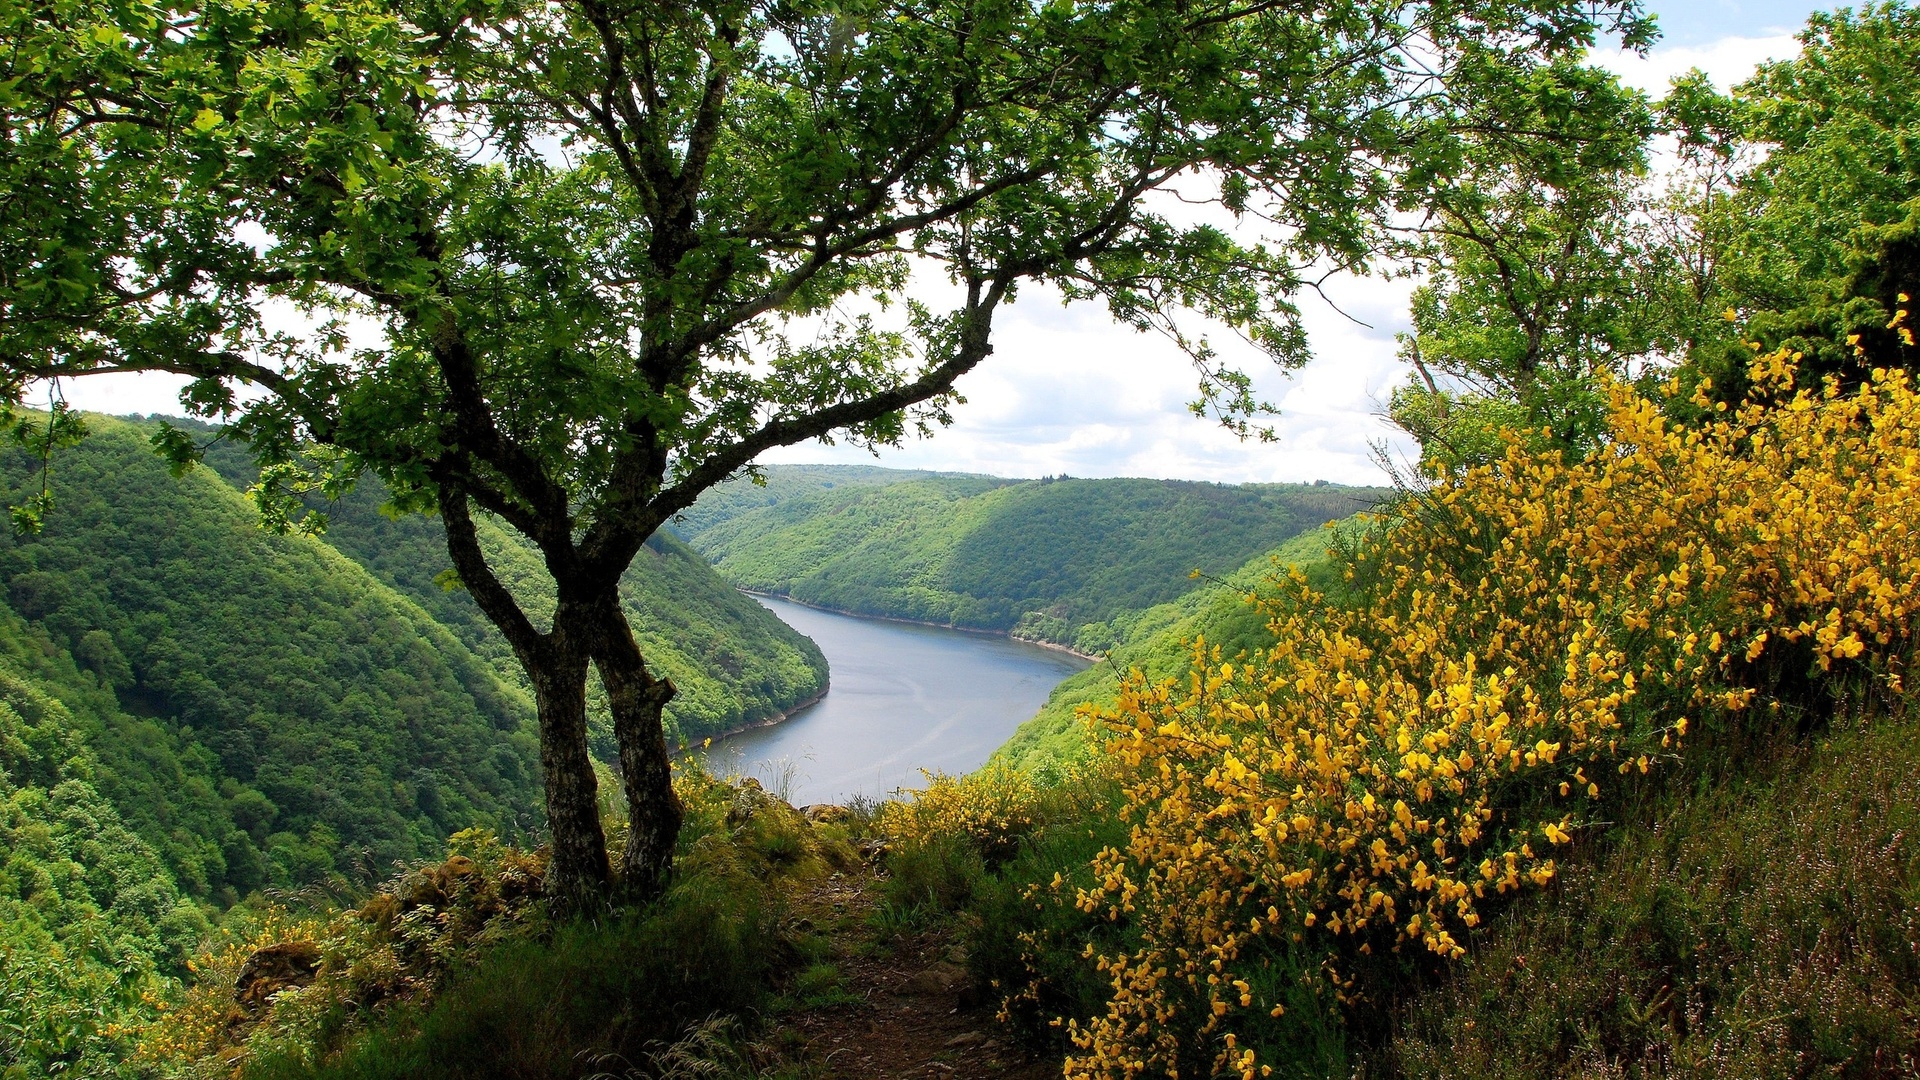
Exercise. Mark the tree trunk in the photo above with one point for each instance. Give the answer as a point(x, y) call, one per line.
point(578, 876)
point(646, 769)
point(588, 629)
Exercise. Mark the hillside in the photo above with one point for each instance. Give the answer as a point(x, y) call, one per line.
point(89, 908)
point(264, 710)
point(1156, 641)
point(780, 483)
point(1761, 923)
point(1066, 561)
point(734, 663)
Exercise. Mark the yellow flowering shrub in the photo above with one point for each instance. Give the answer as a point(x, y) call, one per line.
point(1421, 736)
point(203, 1031)
point(991, 808)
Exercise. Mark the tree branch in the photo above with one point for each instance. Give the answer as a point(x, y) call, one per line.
point(528, 644)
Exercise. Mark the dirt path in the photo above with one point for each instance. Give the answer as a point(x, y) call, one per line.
point(906, 1011)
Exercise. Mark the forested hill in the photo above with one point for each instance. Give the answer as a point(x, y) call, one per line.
point(781, 483)
point(1061, 560)
point(262, 710)
point(269, 710)
point(735, 664)
point(1158, 642)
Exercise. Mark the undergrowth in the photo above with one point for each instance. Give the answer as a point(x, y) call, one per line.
point(457, 969)
point(1762, 924)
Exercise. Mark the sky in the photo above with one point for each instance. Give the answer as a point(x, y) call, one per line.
point(1067, 392)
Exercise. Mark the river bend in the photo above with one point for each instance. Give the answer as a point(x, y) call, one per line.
point(904, 697)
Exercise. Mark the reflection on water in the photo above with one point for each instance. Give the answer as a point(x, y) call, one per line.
point(904, 698)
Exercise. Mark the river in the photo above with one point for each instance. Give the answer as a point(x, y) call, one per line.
point(904, 697)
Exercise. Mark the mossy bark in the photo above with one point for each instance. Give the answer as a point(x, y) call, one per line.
point(578, 875)
point(646, 769)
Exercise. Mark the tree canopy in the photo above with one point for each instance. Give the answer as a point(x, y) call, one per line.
point(1784, 214)
point(569, 263)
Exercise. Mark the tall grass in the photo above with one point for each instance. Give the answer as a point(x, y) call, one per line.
point(534, 1010)
point(1763, 925)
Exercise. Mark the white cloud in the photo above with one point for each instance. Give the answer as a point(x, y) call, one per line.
point(120, 394)
point(1068, 391)
point(1727, 61)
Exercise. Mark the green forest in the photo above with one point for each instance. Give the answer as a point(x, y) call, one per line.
point(1072, 562)
point(270, 688)
point(341, 721)
point(732, 664)
point(199, 713)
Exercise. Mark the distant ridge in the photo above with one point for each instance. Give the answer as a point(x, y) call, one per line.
point(1061, 560)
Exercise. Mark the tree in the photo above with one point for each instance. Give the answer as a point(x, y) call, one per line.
point(615, 250)
point(1541, 271)
point(1825, 243)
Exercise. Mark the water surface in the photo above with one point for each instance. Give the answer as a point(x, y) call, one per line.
point(903, 698)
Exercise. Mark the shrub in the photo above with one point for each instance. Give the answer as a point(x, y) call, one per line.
point(1420, 738)
point(1764, 926)
point(989, 811)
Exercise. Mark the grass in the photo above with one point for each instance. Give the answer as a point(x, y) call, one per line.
point(535, 1000)
point(531, 1009)
point(1764, 924)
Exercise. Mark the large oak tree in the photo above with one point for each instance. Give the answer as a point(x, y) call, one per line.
point(615, 249)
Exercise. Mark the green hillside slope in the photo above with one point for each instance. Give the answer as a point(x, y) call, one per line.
point(266, 711)
point(781, 483)
point(1761, 922)
point(1155, 642)
point(735, 663)
point(1066, 561)
point(89, 911)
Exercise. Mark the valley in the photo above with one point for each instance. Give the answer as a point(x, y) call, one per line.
point(249, 715)
point(905, 698)
point(474, 686)
point(1065, 561)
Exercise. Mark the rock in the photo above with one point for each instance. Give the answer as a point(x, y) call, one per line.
point(966, 1038)
point(872, 850)
point(749, 799)
point(941, 978)
point(270, 970)
point(827, 814)
point(381, 910)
